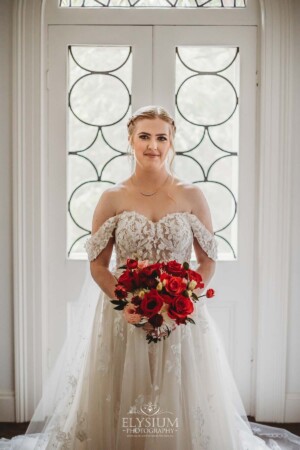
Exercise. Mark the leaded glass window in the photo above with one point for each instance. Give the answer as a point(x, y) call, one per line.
point(153, 3)
point(206, 114)
point(206, 99)
point(99, 107)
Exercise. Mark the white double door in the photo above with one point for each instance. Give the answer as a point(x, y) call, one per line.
point(153, 82)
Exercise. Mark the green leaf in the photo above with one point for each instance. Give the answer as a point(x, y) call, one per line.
point(186, 265)
point(189, 319)
point(115, 302)
point(119, 307)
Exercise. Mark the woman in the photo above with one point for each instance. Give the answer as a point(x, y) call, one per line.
point(115, 390)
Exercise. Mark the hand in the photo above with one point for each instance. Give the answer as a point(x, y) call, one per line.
point(148, 327)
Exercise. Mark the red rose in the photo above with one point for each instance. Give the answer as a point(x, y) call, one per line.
point(127, 280)
point(131, 263)
point(180, 307)
point(164, 276)
point(136, 300)
point(136, 279)
point(153, 270)
point(167, 298)
point(120, 291)
point(151, 303)
point(210, 293)
point(156, 320)
point(151, 283)
point(193, 275)
point(146, 281)
point(175, 285)
point(180, 321)
point(175, 268)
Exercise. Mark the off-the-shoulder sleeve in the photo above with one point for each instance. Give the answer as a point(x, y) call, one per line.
point(98, 241)
point(205, 238)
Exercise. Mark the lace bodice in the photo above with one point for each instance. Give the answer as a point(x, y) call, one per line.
point(136, 236)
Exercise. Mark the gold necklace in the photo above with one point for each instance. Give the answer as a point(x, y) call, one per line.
point(150, 195)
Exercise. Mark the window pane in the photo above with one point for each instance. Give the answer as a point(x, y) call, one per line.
point(153, 3)
point(207, 94)
point(99, 108)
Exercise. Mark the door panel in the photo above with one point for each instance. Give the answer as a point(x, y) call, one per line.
point(209, 85)
point(94, 84)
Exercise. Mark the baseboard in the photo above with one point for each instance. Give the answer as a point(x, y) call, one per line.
point(292, 407)
point(7, 406)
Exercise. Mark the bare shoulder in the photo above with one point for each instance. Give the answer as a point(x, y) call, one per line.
point(107, 205)
point(196, 197)
point(191, 192)
point(198, 203)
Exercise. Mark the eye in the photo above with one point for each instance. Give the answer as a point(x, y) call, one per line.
point(161, 138)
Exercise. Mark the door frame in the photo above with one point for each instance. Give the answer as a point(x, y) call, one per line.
point(153, 49)
point(275, 20)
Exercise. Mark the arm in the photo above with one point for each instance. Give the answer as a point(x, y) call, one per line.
point(99, 266)
point(206, 266)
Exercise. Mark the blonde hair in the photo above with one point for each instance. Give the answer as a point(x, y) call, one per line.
point(153, 112)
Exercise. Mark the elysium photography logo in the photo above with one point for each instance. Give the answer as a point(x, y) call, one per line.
point(149, 420)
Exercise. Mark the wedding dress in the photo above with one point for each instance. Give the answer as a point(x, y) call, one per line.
point(110, 388)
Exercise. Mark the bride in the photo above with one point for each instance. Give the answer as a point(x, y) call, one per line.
point(112, 390)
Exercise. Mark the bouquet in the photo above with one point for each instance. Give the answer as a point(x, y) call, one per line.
point(158, 297)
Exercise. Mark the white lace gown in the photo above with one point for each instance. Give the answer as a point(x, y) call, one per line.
point(112, 390)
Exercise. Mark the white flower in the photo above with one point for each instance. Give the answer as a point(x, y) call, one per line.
point(192, 284)
point(159, 286)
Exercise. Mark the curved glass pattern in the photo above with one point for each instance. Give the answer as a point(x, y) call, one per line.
point(99, 101)
point(207, 100)
point(152, 3)
point(206, 113)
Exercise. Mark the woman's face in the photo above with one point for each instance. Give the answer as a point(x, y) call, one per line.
point(151, 143)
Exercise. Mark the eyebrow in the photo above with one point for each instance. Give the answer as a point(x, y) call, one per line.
point(159, 134)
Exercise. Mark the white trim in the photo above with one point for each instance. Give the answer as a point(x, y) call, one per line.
point(273, 262)
point(29, 171)
point(26, 205)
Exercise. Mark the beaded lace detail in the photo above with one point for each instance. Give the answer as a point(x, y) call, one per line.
point(99, 240)
point(136, 236)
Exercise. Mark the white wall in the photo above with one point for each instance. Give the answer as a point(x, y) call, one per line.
point(6, 270)
point(293, 375)
point(6, 245)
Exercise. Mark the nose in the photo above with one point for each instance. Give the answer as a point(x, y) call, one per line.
point(152, 145)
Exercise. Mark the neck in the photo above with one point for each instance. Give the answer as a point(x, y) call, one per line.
point(150, 179)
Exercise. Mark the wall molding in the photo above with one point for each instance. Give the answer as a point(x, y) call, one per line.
point(275, 164)
point(27, 224)
point(29, 163)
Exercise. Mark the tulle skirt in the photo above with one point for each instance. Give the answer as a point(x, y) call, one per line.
point(112, 390)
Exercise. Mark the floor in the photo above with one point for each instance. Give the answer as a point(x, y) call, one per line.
point(8, 430)
point(292, 427)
